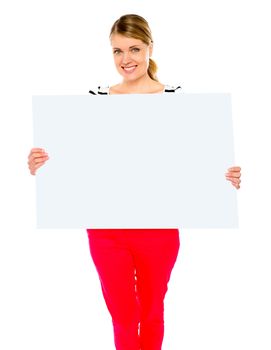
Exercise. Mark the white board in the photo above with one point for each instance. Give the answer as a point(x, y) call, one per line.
point(135, 161)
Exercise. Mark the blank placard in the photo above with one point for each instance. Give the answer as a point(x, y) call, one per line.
point(135, 161)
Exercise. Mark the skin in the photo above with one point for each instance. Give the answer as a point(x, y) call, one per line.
point(129, 52)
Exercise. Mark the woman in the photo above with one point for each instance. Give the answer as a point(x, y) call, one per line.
point(134, 265)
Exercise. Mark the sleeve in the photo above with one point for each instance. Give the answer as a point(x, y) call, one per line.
point(170, 88)
point(100, 91)
point(178, 89)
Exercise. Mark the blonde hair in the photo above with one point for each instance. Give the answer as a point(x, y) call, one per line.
point(135, 26)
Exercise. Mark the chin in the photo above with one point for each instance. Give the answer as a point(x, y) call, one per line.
point(128, 78)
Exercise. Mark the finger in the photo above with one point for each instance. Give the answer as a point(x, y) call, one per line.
point(37, 162)
point(35, 150)
point(233, 174)
point(234, 168)
point(37, 156)
point(236, 185)
point(233, 180)
point(34, 167)
point(40, 159)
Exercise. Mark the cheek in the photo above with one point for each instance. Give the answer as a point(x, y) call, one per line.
point(117, 61)
point(144, 59)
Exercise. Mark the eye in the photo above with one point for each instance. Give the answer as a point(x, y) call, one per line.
point(135, 49)
point(116, 52)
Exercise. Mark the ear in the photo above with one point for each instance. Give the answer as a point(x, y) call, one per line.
point(151, 49)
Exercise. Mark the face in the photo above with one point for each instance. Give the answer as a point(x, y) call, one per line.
point(131, 57)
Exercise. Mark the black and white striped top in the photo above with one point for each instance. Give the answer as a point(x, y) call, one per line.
point(105, 90)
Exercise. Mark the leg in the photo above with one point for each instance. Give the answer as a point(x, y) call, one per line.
point(116, 270)
point(155, 255)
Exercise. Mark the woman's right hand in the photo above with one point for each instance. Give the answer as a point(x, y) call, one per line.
point(37, 157)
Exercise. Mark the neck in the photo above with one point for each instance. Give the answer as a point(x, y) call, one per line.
point(141, 84)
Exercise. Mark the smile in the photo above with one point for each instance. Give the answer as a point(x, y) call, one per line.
point(129, 69)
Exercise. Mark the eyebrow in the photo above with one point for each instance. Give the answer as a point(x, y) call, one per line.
point(130, 47)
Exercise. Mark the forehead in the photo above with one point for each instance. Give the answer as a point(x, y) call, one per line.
point(123, 42)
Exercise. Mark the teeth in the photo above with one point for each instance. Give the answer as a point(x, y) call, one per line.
point(129, 68)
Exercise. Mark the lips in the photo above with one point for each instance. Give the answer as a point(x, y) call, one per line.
point(129, 69)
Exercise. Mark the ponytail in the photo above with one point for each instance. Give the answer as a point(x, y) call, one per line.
point(152, 69)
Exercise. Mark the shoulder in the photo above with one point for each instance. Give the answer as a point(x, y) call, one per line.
point(100, 90)
point(104, 90)
point(171, 88)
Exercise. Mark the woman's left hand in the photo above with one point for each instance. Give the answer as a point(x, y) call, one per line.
point(234, 175)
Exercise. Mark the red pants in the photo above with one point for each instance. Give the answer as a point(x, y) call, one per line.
point(134, 267)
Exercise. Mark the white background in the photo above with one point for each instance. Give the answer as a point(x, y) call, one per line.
point(219, 294)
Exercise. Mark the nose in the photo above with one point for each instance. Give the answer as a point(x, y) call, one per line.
point(126, 57)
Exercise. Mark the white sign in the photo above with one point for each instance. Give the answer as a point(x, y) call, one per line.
point(135, 161)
